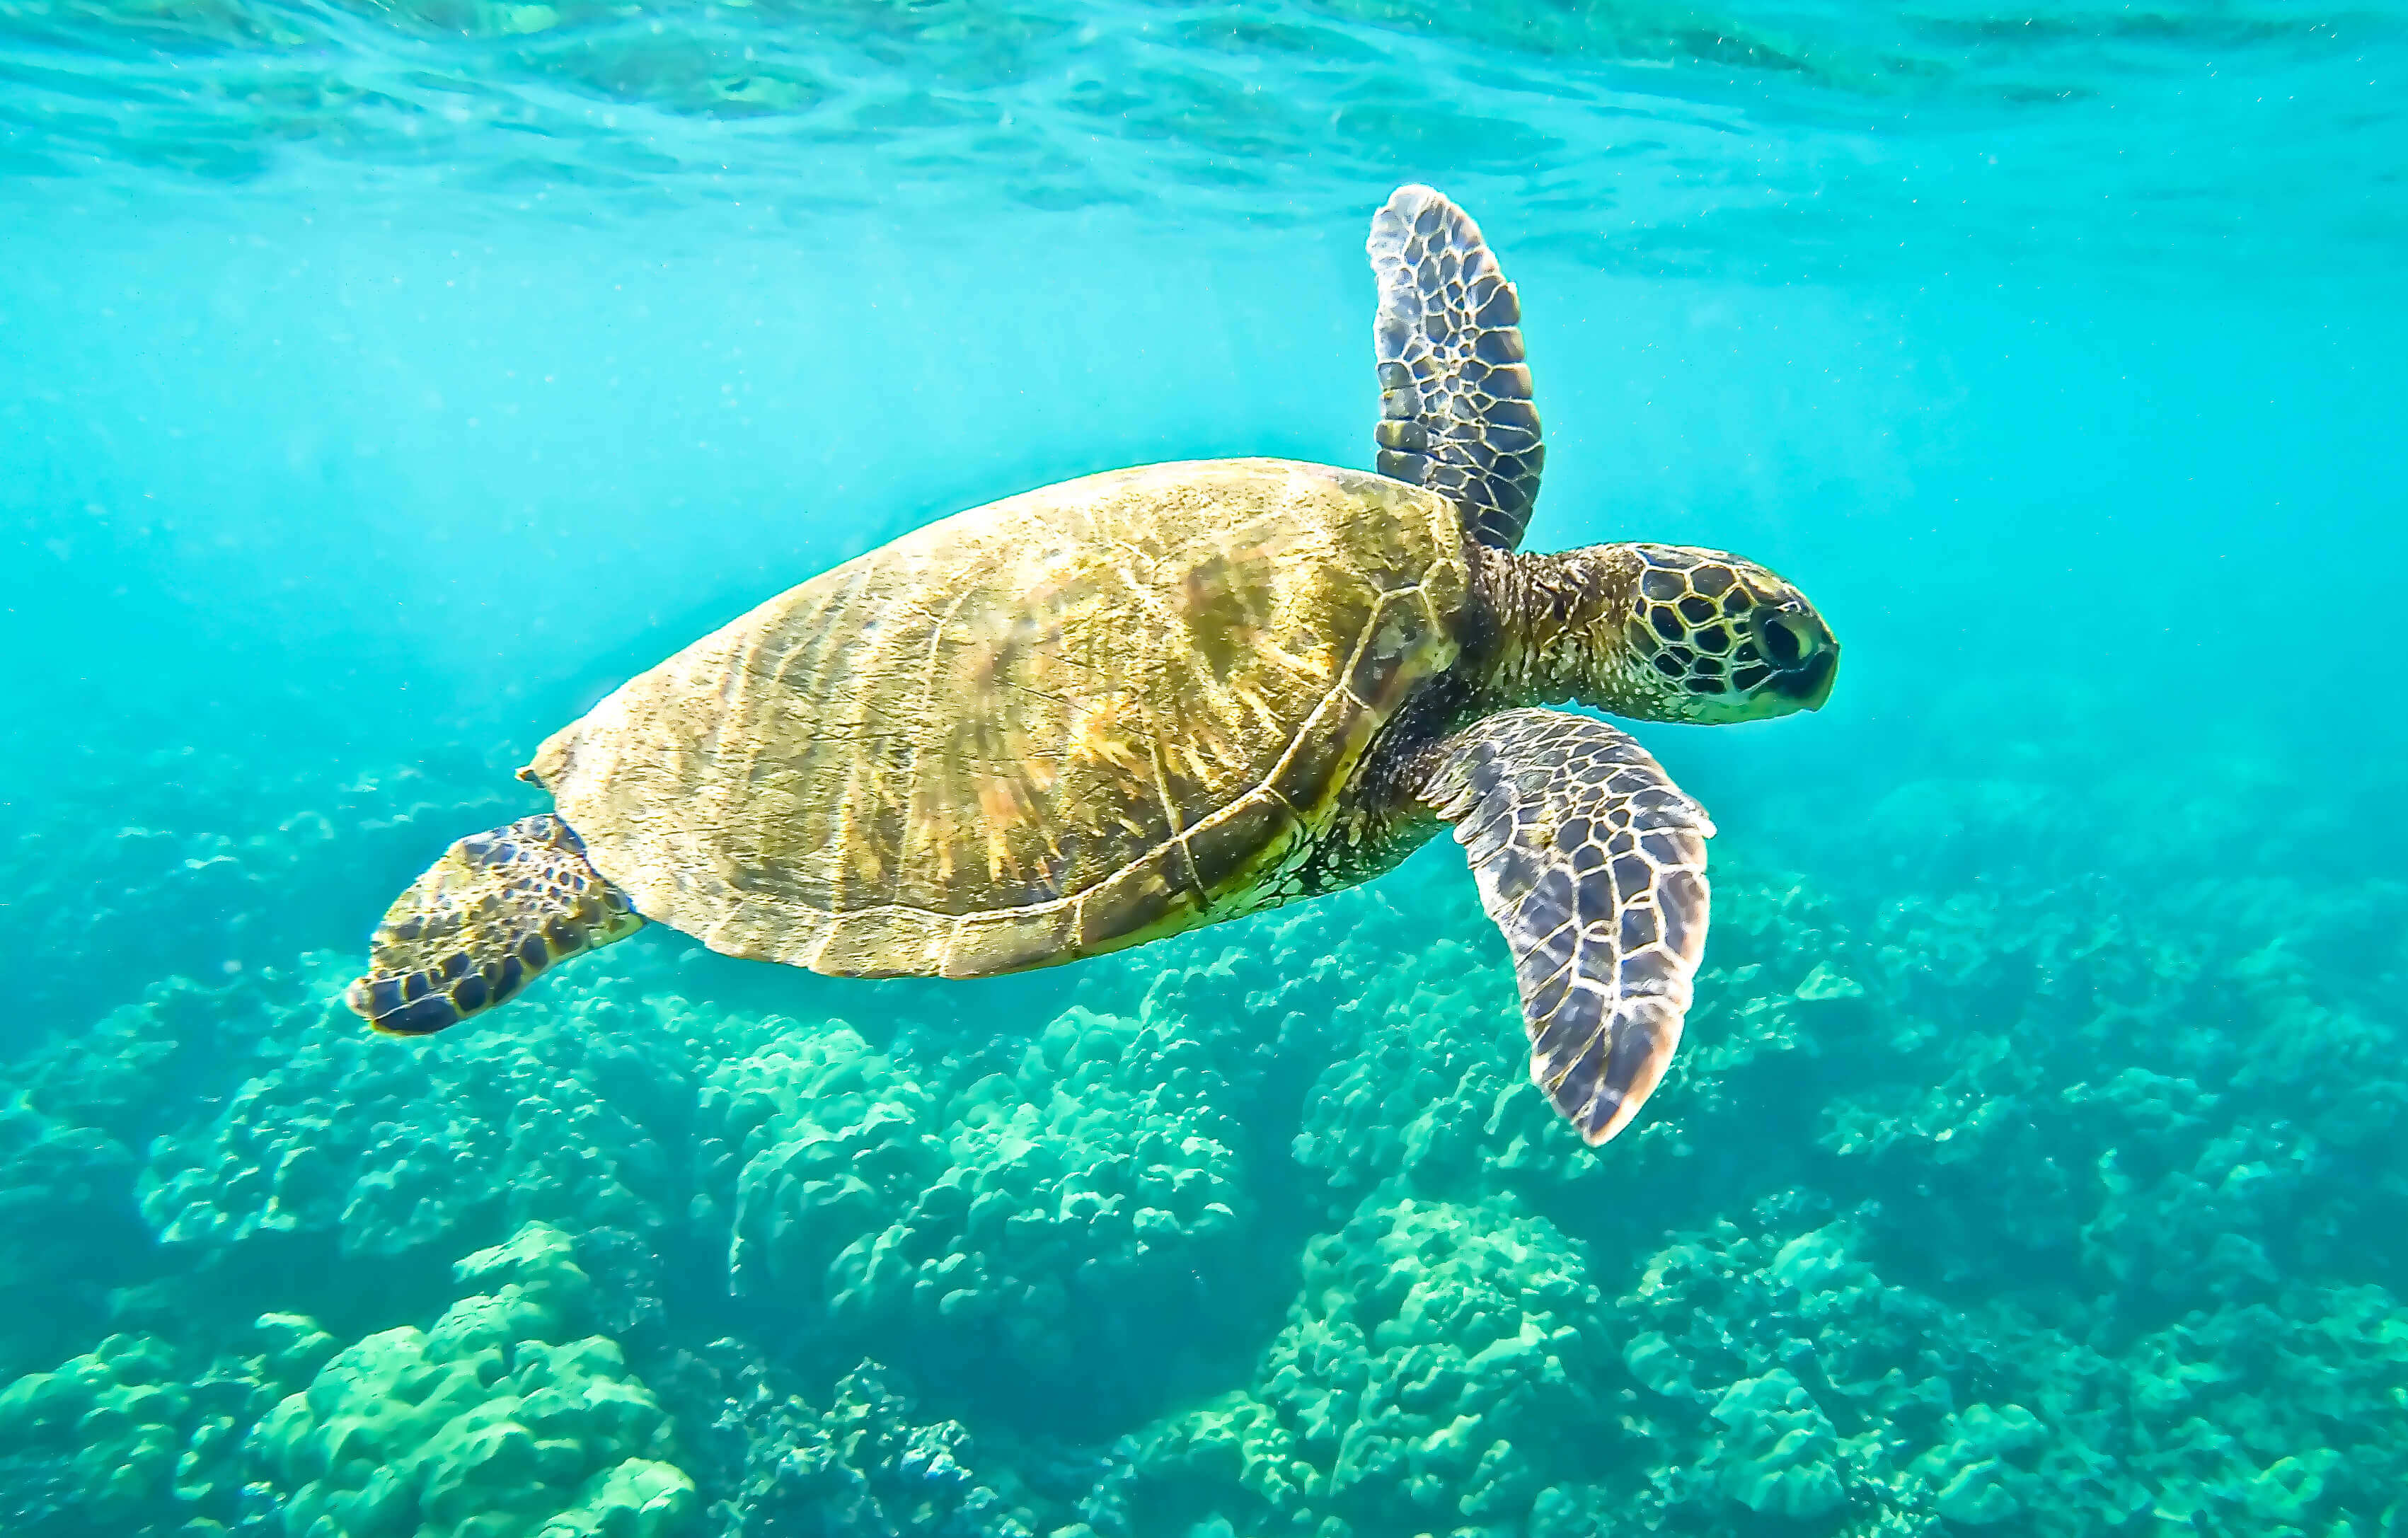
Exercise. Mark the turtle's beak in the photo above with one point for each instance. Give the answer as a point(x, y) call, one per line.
point(1810, 682)
point(1805, 654)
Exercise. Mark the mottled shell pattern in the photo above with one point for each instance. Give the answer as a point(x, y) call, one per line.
point(1062, 723)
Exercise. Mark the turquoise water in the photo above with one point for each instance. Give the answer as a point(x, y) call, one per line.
point(381, 385)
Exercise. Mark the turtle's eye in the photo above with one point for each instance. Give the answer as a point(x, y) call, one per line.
point(1710, 637)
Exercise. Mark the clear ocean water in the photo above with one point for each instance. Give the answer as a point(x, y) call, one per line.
point(381, 384)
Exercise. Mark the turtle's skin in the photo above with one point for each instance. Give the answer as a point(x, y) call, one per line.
point(1092, 715)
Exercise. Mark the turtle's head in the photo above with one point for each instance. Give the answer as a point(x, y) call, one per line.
point(1666, 632)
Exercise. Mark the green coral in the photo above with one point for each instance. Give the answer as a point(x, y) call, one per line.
point(80, 1111)
point(868, 1466)
point(145, 1439)
point(118, 1410)
point(1784, 1368)
point(66, 1206)
point(1436, 1101)
point(84, 1107)
point(1778, 1453)
point(809, 1138)
point(1273, 999)
point(1438, 1368)
point(1439, 1102)
point(388, 1146)
point(501, 1421)
point(1980, 1469)
point(1996, 1205)
point(1022, 1223)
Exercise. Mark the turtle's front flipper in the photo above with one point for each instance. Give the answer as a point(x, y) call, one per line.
point(1455, 394)
point(1594, 865)
point(496, 909)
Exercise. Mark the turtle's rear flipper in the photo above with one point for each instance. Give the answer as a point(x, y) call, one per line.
point(496, 909)
point(1594, 865)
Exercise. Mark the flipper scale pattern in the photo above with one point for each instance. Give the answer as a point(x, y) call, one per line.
point(1593, 865)
point(1454, 393)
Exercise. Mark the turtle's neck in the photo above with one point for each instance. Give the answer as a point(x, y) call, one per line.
point(1552, 626)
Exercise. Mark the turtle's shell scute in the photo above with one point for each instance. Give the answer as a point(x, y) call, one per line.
point(1058, 724)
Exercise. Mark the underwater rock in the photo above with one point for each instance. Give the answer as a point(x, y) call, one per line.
point(2056, 1210)
point(384, 1146)
point(1437, 1372)
point(501, 1421)
point(1036, 1225)
point(867, 1467)
point(1437, 1102)
point(135, 1436)
point(68, 1140)
point(1779, 1453)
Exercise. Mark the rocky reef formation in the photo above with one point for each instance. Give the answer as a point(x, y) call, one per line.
point(2065, 1205)
point(499, 1420)
point(1438, 1370)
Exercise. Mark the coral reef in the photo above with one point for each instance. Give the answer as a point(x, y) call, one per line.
point(1436, 1101)
point(1777, 1370)
point(2051, 1205)
point(866, 1467)
point(131, 874)
point(83, 1109)
point(65, 1206)
point(392, 1147)
point(1033, 1223)
point(138, 1435)
point(1436, 1374)
point(500, 1420)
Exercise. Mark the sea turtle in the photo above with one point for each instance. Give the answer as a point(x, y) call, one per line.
point(1094, 715)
